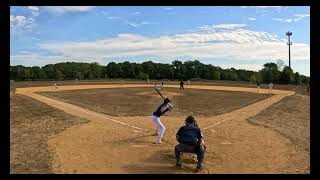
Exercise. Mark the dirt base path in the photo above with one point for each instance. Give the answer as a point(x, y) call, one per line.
point(125, 145)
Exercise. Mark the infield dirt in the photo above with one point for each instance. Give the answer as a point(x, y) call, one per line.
point(233, 144)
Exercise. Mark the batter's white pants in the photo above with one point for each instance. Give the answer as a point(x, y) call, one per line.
point(160, 128)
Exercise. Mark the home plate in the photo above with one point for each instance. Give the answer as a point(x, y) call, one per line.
point(137, 131)
point(212, 130)
point(226, 143)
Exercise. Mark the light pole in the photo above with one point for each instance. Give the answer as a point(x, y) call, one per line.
point(289, 44)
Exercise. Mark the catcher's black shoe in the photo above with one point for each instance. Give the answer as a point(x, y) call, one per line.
point(178, 165)
point(199, 168)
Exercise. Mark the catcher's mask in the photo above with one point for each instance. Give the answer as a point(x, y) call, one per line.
point(167, 100)
point(190, 120)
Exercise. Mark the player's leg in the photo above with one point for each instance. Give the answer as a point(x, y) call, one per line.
point(200, 156)
point(161, 131)
point(178, 155)
point(160, 128)
point(155, 123)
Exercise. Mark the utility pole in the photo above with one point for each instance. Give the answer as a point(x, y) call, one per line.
point(289, 43)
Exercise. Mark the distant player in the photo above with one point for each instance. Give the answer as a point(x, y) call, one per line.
point(258, 87)
point(159, 86)
point(270, 87)
point(188, 82)
point(55, 86)
point(308, 88)
point(161, 110)
point(181, 85)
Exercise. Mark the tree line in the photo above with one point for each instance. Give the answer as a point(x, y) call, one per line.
point(177, 70)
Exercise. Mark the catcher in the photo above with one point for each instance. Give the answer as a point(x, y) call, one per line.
point(190, 140)
point(161, 110)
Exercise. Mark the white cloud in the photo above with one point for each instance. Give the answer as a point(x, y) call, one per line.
point(33, 8)
point(168, 9)
point(21, 23)
point(252, 19)
point(283, 20)
point(302, 15)
point(223, 26)
point(135, 13)
point(106, 12)
point(261, 7)
point(33, 59)
point(132, 24)
point(114, 18)
point(148, 22)
point(35, 13)
point(65, 9)
point(231, 43)
point(297, 17)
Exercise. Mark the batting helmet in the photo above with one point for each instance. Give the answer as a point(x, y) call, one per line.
point(167, 100)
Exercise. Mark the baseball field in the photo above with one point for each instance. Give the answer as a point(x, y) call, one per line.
point(106, 127)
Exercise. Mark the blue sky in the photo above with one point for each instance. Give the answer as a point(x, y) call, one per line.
point(228, 36)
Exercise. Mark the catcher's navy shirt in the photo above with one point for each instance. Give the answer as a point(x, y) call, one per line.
point(158, 112)
point(189, 134)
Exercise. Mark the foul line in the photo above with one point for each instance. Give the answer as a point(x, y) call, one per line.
point(217, 123)
point(102, 116)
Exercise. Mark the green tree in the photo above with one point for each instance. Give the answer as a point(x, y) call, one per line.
point(286, 75)
point(297, 78)
point(305, 79)
point(114, 70)
point(143, 76)
point(215, 75)
point(59, 75)
point(256, 77)
point(270, 73)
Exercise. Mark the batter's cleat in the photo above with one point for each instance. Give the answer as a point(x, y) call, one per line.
point(155, 134)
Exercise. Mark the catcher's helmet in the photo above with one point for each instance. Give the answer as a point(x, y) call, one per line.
point(190, 120)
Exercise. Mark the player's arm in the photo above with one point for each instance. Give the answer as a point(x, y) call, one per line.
point(167, 107)
point(178, 135)
point(201, 139)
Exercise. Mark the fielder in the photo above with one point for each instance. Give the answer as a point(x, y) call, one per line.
point(181, 85)
point(159, 86)
point(161, 110)
point(270, 87)
point(258, 87)
point(55, 86)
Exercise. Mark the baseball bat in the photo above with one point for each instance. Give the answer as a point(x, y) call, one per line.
point(159, 93)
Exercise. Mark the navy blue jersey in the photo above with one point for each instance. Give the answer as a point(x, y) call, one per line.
point(158, 112)
point(189, 135)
